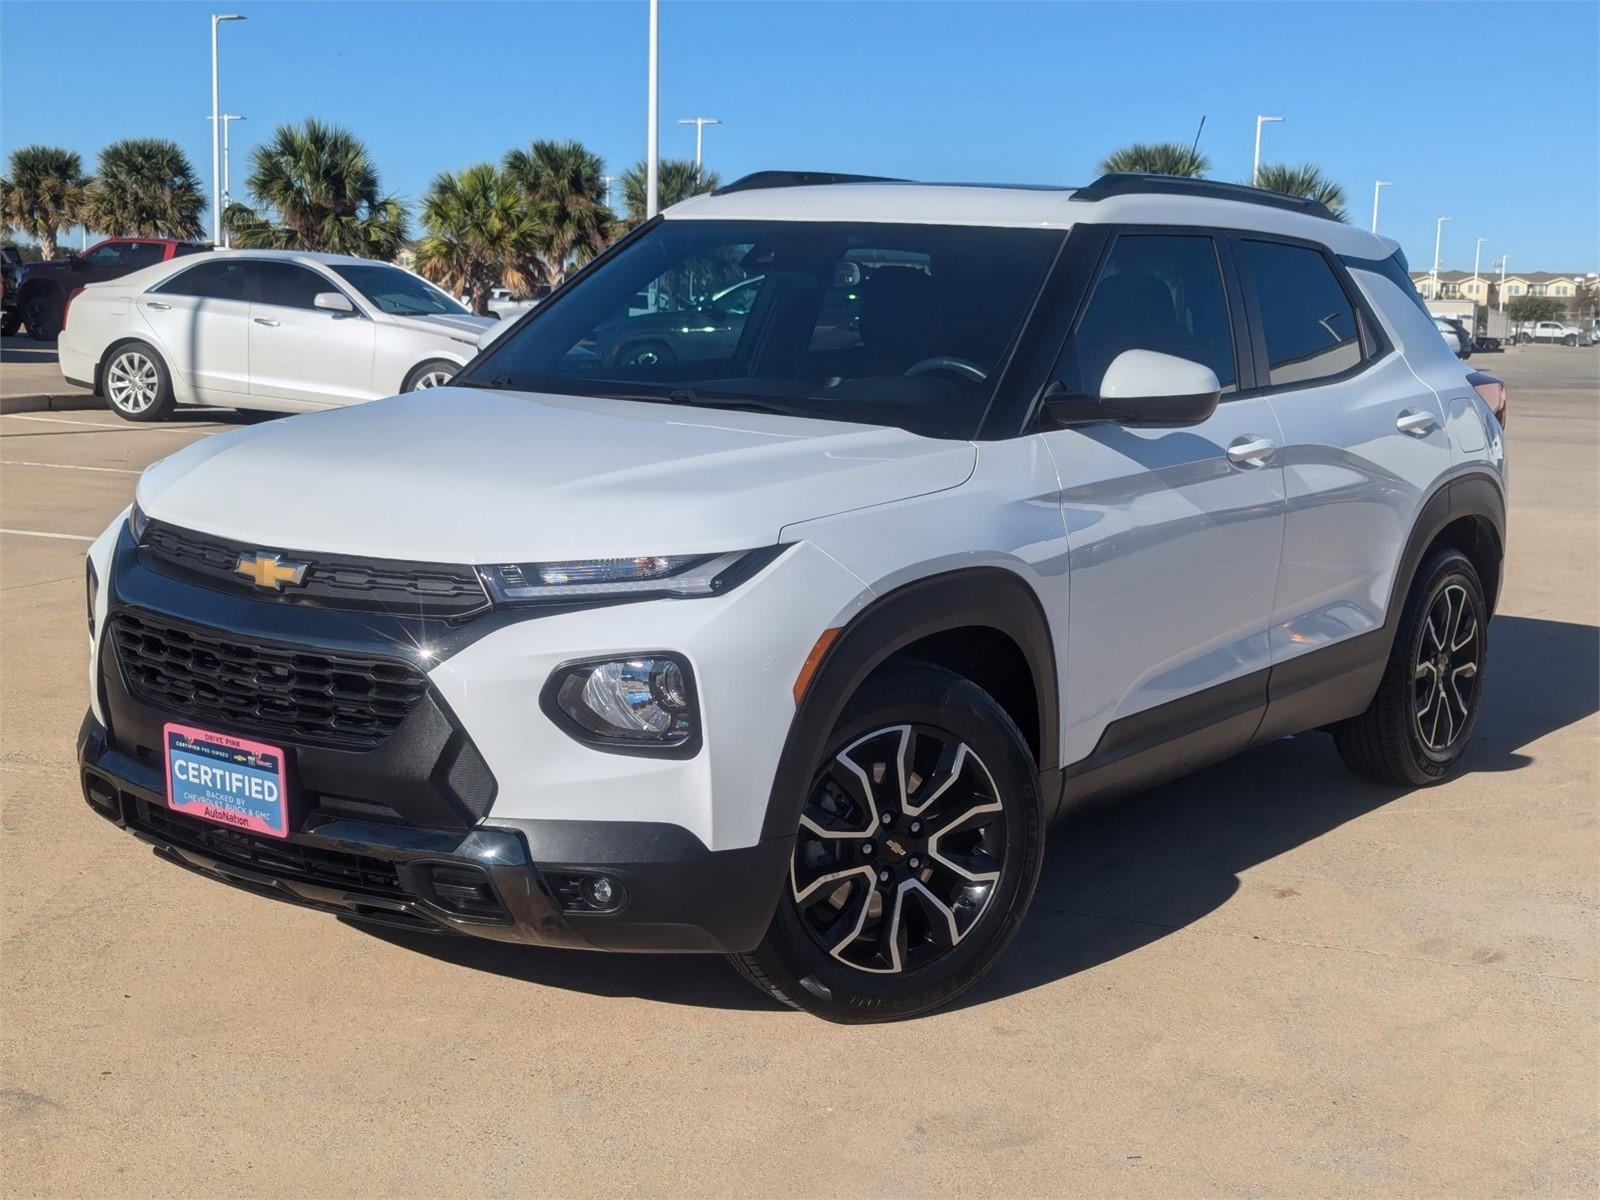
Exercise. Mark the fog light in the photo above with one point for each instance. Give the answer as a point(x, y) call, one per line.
point(600, 891)
point(101, 795)
point(644, 703)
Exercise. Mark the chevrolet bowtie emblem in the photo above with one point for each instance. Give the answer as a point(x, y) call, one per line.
point(268, 571)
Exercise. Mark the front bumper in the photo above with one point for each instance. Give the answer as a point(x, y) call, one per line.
point(510, 881)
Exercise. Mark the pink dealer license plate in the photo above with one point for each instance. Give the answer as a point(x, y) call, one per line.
point(226, 779)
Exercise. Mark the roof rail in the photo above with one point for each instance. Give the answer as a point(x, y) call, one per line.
point(782, 179)
point(1128, 184)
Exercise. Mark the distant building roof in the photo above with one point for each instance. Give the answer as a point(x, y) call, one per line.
point(1491, 273)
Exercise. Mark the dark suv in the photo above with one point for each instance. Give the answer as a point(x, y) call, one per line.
point(44, 288)
point(10, 314)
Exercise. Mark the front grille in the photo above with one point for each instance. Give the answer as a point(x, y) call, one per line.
point(301, 695)
point(271, 856)
point(331, 580)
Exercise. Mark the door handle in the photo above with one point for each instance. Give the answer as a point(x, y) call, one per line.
point(1251, 450)
point(1410, 421)
point(266, 321)
point(157, 304)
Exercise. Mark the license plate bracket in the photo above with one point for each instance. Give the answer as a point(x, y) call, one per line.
point(228, 780)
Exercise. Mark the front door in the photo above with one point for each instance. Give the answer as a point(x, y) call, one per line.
point(302, 354)
point(1174, 535)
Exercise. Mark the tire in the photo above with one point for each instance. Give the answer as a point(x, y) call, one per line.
point(436, 372)
point(1523, 339)
point(1414, 732)
point(136, 383)
point(950, 873)
point(41, 313)
point(645, 354)
point(1569, 340)
point(10, 322)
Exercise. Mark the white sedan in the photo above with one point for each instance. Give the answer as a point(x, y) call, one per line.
point(262, 329)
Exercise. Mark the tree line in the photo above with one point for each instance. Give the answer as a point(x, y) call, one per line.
point(523, 223)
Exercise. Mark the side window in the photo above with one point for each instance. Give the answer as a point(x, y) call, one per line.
point(105, 256)
point(1157, 292)
point(190, 248)
point(141, 254)
point(289, 286)
point(1310, 325)
point(216, 280)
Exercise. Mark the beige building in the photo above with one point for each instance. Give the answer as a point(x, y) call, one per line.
point(1484, 287)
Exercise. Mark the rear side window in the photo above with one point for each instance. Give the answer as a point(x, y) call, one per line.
point(190, 248)
point(226, 280)
point(141, 254)
point(1157, 292)
point(289, 286)
point(1310, 325)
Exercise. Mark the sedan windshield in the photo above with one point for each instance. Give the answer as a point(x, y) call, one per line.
point(397, 292)
point(904, 325)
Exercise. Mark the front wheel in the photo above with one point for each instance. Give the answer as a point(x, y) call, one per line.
point(436, 372)
point(1418, 725)
point(916, 855)
point(1570, 340)
point(10, 321)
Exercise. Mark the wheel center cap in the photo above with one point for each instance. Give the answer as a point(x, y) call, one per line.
point(895, 848)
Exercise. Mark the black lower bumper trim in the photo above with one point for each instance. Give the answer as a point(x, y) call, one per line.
point(508, 881)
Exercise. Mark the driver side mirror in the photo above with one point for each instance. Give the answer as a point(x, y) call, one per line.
point(334, 302)
point(1142, 388)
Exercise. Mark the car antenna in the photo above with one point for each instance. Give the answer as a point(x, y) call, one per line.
point(1194, 149)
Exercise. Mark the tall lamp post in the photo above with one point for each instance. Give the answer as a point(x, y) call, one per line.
point(1376, 188)
point(1477, 257)
point(1255, 166)
point(652, 168)
point(216, 130)
point(1438, 235)
point(1502, 293)
point(227, 192)
point(699, 124)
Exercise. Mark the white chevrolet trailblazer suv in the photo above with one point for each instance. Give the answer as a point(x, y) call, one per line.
point(783, 629)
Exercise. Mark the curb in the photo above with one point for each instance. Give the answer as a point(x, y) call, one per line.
point(53, 402)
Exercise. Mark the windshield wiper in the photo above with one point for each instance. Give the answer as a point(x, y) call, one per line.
point(694, 399)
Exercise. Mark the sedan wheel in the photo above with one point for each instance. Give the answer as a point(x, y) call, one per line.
point(132, 383)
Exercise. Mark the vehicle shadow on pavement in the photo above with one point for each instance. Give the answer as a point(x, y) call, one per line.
point(17, 350)
point(1121, 874)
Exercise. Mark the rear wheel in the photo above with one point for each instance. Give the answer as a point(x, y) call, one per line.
point(41, 313)
point(436, 372)
point(137, 385)
point(1418, 725)
point(916, 855)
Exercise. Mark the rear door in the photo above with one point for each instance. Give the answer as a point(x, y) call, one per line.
point(304, 355)
point(1173, 534)
point(201, 317)
point(1363, 441)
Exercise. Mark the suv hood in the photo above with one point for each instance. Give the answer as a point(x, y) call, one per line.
point(450, 324)
point(468, 475)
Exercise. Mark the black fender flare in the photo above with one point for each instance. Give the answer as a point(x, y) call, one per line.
point(1473, 493)
point(992, 597)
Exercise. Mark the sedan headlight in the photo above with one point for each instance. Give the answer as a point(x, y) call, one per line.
point(672, 575)
point(642, 704)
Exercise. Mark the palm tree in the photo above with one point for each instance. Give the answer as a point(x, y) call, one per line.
point(677, 179)
point(561, 181)
point(478, 232)
point(145, 187)
point(317, 189)
point(1305, 181)
point(42, 192)
point(1156, 158)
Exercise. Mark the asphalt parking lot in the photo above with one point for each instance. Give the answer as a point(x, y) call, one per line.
point(1270, 978)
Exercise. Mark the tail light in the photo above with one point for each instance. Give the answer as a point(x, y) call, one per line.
point(1493, 391)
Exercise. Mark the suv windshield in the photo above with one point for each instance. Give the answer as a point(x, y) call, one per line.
point(397, 292)
point(904, 325)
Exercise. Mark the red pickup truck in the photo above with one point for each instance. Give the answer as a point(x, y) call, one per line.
point(43, 288)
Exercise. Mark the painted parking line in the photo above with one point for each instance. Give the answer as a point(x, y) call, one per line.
point(39, 533)
point(165, 427)
point(17, 462)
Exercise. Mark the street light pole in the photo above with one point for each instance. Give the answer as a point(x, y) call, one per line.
point(227, 192)
point(699, 124)
point(216, 131)
point(1376, 187)
point(605, 182)
point(1255, 167)
point(1503, 258)
point(1438, 235)
point(652, 169)
point(1477, 255)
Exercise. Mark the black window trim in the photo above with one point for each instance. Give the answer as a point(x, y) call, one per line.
point(1375, 344)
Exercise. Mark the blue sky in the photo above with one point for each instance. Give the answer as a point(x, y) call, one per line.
point(1485, 113)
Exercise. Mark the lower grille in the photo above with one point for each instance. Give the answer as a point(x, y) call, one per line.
point(309, 696)
point(271, 856)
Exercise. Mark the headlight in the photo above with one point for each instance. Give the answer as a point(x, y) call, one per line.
point(678, 575)
point(137, 523)
point(643, 704)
